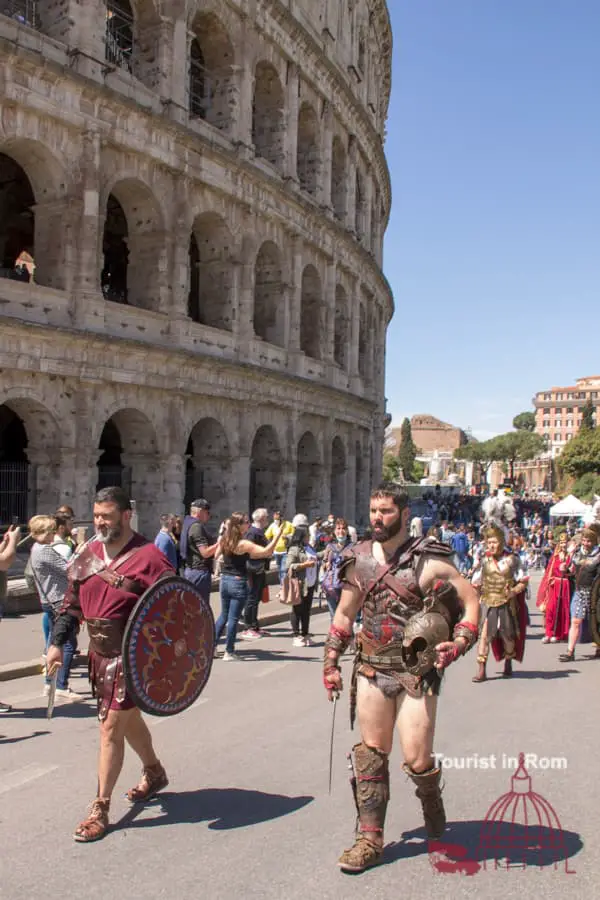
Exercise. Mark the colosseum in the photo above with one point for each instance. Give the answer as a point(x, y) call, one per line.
point(194, 195)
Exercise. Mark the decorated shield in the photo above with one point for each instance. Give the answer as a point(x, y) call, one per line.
point(595, 612)
point(168, 647)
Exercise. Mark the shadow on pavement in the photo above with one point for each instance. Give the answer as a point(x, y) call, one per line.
point(223, 808)
point(255, 655)
point(519, 675)
point(469, 847)
point(70, 710)
point(25, 737)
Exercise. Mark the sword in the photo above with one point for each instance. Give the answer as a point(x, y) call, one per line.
point(335, 700)
point(52, 695)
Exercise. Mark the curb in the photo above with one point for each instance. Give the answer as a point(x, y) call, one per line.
point(25, 668)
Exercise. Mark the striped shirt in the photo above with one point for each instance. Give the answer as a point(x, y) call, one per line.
point(50, 573)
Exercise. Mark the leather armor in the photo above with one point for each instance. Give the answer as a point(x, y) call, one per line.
point(495, 582)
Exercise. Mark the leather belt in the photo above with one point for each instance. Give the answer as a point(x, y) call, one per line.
point(106, 636)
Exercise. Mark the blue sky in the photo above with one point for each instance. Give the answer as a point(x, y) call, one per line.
point(493, 248)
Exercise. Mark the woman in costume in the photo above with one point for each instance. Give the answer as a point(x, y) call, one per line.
point(554, 593)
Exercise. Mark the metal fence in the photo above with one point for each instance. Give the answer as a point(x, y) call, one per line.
point(119, 34)
point(114, 476)
point(16, 479)
point(23, 11)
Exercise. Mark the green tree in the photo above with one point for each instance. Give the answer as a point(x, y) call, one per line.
point(587, 486)
point(418, 471)
point(391, 466)
point(582, 454)
point(478, 452)
point(407, 452)
point(516, 446)
point(587, 416)
point(525, 421)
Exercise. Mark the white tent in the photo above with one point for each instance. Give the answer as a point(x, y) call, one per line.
point(570, 506)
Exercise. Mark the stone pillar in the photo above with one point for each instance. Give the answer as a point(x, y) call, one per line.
point(326, 151)
point(351, 192)
point(367, 240)
point(245, 91)
point(291, 131)
point(53, 232)
point(145, 489)
point(296, 293)
point(178, 68)
point(350, 511)
point(243, 305)
point(45, 471)
point(354, 304)
point(83, 479)
point(82, 27)
point(328, 333)
point(239, 497)
point(147, 272)
point(173, 476)
point(180, 261)
point(90, 236)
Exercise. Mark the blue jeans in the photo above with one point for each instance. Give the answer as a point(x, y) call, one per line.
point(202, 578)
point(280, 563)
point(62, 679)
point(234, 594)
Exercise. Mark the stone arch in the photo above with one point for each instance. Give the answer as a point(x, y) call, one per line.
point(210, 300)
point(266, 472)
point(29, 459)
point(211, 78)
point(341, 327)
point(269, 309)
point(268, 119)
point(309, 474)
point(338, 477)
point(308, 161)
point(208, 468)
point(310, 316)
point(129, 457)
point(133, 244)
point(339, 176)
point(32, 229)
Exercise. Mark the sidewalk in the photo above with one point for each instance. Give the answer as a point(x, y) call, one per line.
point(21, 641)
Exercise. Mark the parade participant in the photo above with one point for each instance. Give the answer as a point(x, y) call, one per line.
point(106, 580)
point(389, 577)
point(554, 593)
point(586, 563)
point(503, 610)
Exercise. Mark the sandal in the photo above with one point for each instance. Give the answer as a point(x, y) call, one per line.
point(96, 825)
point(154, 779)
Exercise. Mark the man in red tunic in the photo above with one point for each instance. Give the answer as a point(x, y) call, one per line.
point(107, 579)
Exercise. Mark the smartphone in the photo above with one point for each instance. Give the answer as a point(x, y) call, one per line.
point(15, 520)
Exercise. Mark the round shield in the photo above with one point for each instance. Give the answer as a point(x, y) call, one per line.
point(168, 647)
point(595, 612)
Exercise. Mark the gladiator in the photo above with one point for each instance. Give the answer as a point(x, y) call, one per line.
point(502, 584)
point(106, 579)
point(586, 563)
point(419, 616)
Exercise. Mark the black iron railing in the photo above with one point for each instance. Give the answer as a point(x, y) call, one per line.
point(23, 11)
point(119, 34)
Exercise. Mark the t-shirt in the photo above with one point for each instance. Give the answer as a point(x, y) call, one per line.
point(257, 536)
point(288, 530)
point(199, 536)
point(166, 545)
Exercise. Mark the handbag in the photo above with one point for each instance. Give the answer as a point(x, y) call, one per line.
point(291, 592)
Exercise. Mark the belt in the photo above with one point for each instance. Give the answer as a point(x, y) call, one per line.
point(106, 636)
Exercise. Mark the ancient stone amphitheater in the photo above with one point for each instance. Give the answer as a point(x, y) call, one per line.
point(193, 198)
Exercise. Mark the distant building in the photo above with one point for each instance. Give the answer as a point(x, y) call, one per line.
point(558, 411)
point(436, 442)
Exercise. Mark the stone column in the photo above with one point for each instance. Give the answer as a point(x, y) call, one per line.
point(44, 479)
point(178, 70)
point(297, 245)
point(89, 239)
point(351, 192)
point(239, 496)
point(245, 91)
point(147, 272)
point(145, 489)
point(243, 305)
point(82, 27)
point(53, 232)
point(354, 304)
point(83, 478)
point(173, 477)
point(328, 333)
point(368, 209)
point(326, 150)
point(291, 131)
point(180, 262)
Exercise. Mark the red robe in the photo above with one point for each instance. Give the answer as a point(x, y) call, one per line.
point(555, 593)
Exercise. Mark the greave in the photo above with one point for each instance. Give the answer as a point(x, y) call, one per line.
point(371, 786)
point(429, 793)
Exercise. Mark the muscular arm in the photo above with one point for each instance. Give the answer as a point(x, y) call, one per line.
point(340, 633)
point(434, 569)
point(8, 548)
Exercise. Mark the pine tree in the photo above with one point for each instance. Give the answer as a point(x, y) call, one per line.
point(587, 415)
point(407, 452)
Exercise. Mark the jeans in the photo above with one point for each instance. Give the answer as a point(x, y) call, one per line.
point(280, 563)
point(300, 615)
point(202, 579)
point(62, 679)
point(234, 595)
point(333, 598)
point(256, 583)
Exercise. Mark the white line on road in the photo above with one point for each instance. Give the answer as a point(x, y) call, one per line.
point(274, 668)
point(22, 776)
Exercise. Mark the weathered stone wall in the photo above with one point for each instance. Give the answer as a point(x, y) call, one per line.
point(251, 366)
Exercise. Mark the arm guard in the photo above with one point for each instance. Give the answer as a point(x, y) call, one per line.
point(336, 643)
point(65, 627)
point(468, 632)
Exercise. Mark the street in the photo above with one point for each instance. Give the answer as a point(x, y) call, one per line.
point(247, 812)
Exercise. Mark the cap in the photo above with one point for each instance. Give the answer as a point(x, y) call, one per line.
point(299, 520)
point(200, 504)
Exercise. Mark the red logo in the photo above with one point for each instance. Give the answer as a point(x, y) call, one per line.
point(521, 829)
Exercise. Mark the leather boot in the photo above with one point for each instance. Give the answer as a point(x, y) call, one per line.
point(507, 669)
point(481, 675)
point(429, 793)
point(371, 788)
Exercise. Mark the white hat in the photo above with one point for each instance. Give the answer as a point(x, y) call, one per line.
point(299, 520)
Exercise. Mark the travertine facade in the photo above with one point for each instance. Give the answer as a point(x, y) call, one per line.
point(202, 187)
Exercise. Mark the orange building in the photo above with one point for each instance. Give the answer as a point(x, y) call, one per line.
point(558, 410)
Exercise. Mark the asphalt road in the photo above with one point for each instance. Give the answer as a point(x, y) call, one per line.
point(247, 813)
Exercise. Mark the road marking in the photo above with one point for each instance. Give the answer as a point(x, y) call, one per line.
point(154, 721)
point(276, 667)
point(22, 776)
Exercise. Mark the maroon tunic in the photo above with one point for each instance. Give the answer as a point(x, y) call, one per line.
point(90, 597)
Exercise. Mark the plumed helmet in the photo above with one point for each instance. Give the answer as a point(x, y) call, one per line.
point(426, 629)
point(495, 531)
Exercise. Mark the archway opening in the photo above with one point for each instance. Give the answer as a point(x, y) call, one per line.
point(308, 159)
point(194, 292)
point(310, 317)
point(119, 34)
point(268, 126)
point(113, 278)
point(14, 467)
point(17, 224)
point(210, 300)
point(111, 471)
point(211, 84)
point(29, 459)
point(265, 470)
point(268, 295)
point(340, 338)
point(308, 477)
point(208, 467)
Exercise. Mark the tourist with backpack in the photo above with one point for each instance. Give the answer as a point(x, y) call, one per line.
point(332, 559)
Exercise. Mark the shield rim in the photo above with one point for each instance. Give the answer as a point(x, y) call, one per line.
point(594, 597)
point(131, 690)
